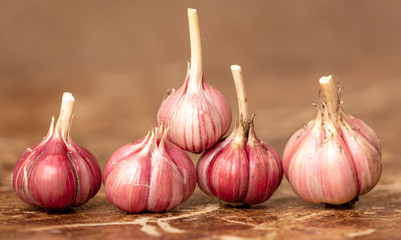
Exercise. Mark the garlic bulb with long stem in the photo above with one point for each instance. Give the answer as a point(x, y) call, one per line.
point(57, 173)
point(240, 169)
point(197, 114)
point(335, 157)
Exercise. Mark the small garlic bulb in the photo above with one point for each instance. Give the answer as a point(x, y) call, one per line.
point(151, 174)
point(197, 114)
point(57, 173)
point(335, 157)
point(240, 169)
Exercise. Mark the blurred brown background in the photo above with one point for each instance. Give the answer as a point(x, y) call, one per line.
point(119, 58)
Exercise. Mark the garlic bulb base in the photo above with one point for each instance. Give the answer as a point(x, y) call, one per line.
point(233, 204)
point(347, 205)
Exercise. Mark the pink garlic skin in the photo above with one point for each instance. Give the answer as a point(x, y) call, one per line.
point(329, 164)
point(198, 118)
point(238, 172)
point(151, 174)
point(56, 174)
point(260, 156)
point(365, 149)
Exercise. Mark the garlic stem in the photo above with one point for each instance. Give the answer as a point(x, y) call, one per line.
point(242, 100)
point(330, 97)
point(196, 50)
point(241, 92)
point(64, 120)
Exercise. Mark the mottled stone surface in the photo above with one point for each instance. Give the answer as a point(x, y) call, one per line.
point(119, 58)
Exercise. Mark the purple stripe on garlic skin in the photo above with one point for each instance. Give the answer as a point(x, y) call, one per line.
point(361, 128)
point(240, 169)
point(166, 190)
point(123, 153)
point(260, 157)
point(203, 166)
point(127, 182)
point(320, 181)
point(184, 164)
point(221, 105)
point(366, 152)
point(197, 114)
point(195, 123)
point(87, 172)
point(57, 173)
point(335, 157)
point(151, 174)
point(228, 173)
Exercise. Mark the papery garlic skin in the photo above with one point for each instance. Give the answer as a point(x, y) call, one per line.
point(365, 150)
point(197, 119)
point(320, 170)
point(240, 169)
point(197, 114)
point(265, 168)
point(240, 173)
point(151, 174)
point(57, 173)
point(335, 157)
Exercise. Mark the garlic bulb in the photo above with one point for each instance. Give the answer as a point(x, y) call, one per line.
point(57, 173)
point(197, 113)
point(240, 169)
point(335, 157)
point(151, 174)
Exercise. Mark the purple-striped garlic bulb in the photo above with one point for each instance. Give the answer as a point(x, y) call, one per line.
point(57, 173)
point(197, 114)
point(240, 169)
point(335, 157)
point(151, 174)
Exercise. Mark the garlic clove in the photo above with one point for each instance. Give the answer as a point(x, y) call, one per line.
point(127, 185)
point(361, 128)
point(123, 153)
point(366, 153)
point(293, 143)
point(265, 167)
point(203, 164)
point(51, 179)
point(229, 174)
point(184, 165)
point(89, 175)
point(166, 184)
point(339, 183)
